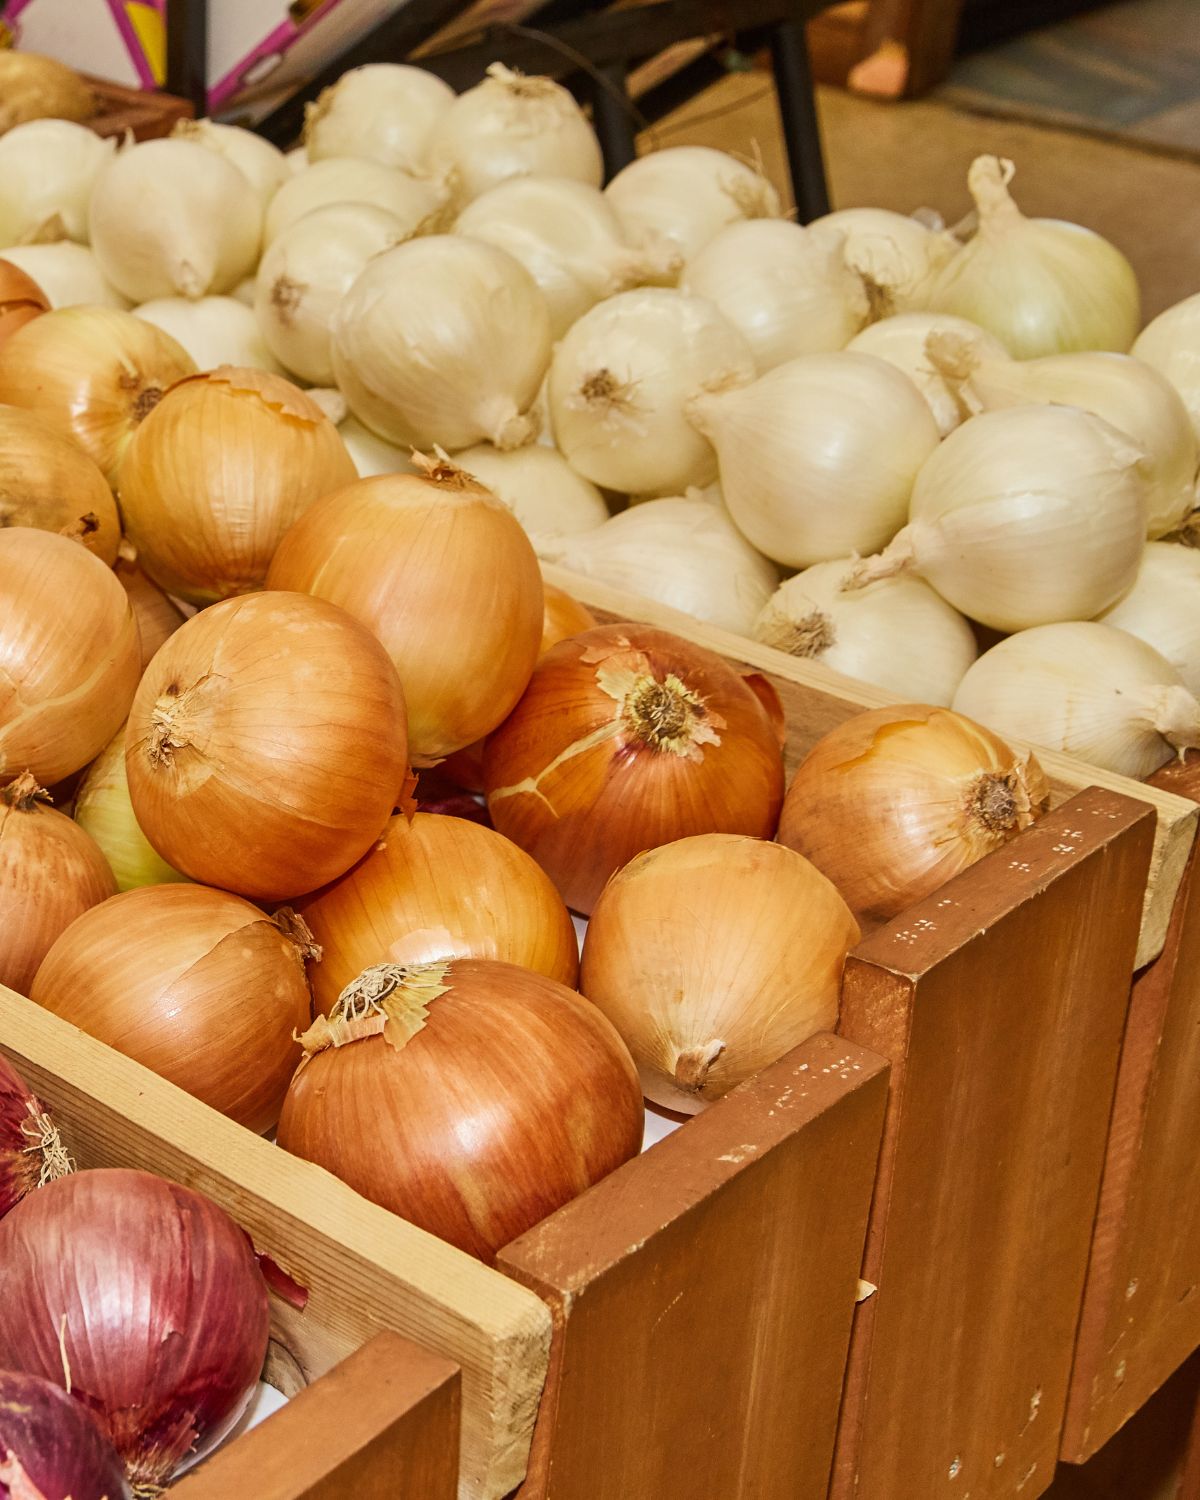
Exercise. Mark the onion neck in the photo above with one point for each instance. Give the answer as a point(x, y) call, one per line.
point(23, 794)
point(809, 636)
point(298, 933)
point(692, 1067)
point(441, 470)
point(1175, 713)
point(897, 558)
point(987, 182)
point(997, 805)
point(506, 427)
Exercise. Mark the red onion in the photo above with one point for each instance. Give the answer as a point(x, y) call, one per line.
point(50, 1449)
point(31, 1153)
point(144, 1300)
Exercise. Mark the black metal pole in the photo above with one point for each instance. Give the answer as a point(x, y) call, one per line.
point(187, 52)
point(798, 114)
point(612, 117)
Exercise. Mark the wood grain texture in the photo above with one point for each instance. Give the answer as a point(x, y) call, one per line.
point(365, 1270)
point(383, 1423)
point(1001, 1002)
point(815, 700)
point(703, 1295)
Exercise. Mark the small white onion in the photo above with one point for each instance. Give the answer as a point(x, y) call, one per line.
point(264, 166)
point(68, 273)
point(371, 454)
point(897, 255)
point(419, 205)
point(383, 112)
point(214, 331)
point(1171, 343)
point(1163, 608)
point(540, 488)
point(48, 169)
point(901, 341)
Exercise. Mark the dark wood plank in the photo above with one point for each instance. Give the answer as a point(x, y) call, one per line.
point(909, 47)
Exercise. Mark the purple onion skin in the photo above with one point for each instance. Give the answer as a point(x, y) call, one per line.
point(165, 1309)
point(18, 1165)
point(49, 1441)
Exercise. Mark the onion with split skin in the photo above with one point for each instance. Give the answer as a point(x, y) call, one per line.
point(50, 1448)
point(48, 482)
point(104, 812)
point(21, 299)
point(31, 1149)
point(550, 1091)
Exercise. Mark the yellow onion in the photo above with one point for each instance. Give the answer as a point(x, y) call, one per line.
point(157, 617)
point(266, 746)
point(21, 299)
point(50, 873)
point(438, 887)
point(563, 616)
point(69, 657)
point(103, 810)
point(626, 738)
point(713, 956)
point(218, 473)
point(895, 801)
point(472, 1098)
point(33, 87)
point(198, 985)
point(93, 373)
point(441, 571)
point(48, 481)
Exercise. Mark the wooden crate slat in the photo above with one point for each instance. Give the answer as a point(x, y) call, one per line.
point(1000, 1002)
point(383, 1423)
point(146, 114)
point(703, 1295)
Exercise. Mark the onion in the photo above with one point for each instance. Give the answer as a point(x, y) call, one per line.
point(621, 383)
point(1088, 689)
point(682, 551)
point(103, 810)
point(21, 299)
point(370, 454)
point(818, 457)
point(443, 340)
point(896, 255)
point(149, 1295)
point(31, 1149)
point(442, 573)
point(50, 873)
point(172, 219)
point(214, 331)
point(264, 166)
point(383, 112)
point(51, 1447)
point(563, 617)
point(540, 487)
point(307, 270)
point(418, 206)
point(195, 984)
point(93, 373)
point(712, 957)
point(47, 481)
point(568, 238)
point(1041, 286)
point(48, 169)
point(897, 634)
point(901, 341)
point(69, 658)
point(69, 275)
point(894, 802)
point(1171, 343)
point(472, 1098)
point(787, 290)
point(156, 616)
point(1163, 608)
point(686, 195)
point(218, 472)
point(435, 888)
point(513, 126)
point(33, 87)
point(1023, 517)
point(626, 738)
point(266, 746)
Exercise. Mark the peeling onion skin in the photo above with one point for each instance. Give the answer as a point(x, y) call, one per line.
point(31, 1153)
point(512, 1098)
point(584, 809)
point(157, 1298)
point(50, 1448)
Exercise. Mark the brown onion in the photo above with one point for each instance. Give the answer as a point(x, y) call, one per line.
point(31, 1150)
point(714, 956)
point(69, 657)
point(33, 87)
point(196, 984)
point(52, 1450)
point(92, 373)
point(48, 481)
point(444, 575)
point(157, 617)
point(472, 1098)
point(895, 801)
point(21, 299)
point(51, 872)
point(438, 887)
point(629, 737)
point(266, 747)
point(218, 472)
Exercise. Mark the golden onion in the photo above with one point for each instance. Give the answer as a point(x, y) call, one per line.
point(48, 481)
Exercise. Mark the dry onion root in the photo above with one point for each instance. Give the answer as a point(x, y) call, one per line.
point(31, 1149)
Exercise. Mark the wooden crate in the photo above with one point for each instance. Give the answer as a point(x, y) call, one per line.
point(143, 113)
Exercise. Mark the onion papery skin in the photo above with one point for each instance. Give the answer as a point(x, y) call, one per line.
point(626, 738)
point(33, 87)
point(894, 802)
point(442, 573)
point(21, 299)
point(69, 655)
point(104, 812)
point(31, 1151)
point(713, 956)
point(437, 887)
point(93, 373)
point(51, 871)
point(47, 481)
point(550, 1093)
point(157, 618)
point(50, 1448)
point(196, 984)
point(266, 747)
point(158, 1302)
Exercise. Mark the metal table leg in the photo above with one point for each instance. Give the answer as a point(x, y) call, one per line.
point(798, 113)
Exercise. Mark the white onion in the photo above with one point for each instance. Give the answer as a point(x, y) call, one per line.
point(383, 112)
point(901, 341)
point(818, 456)
point(48, 169)
point(1171, 343)
point(214, 331)
point(540, 488)
point(264, 166)
point(371, 454)
point(419, 205)
point(1090, 690)
point(897, 634)
point(169, 218)
point(68, 273)
point(511, 125)
point(443, 340)
point(297, 159)
point(897, 255)
point(622, 378)
point(1163, 608)
point(306, 271)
